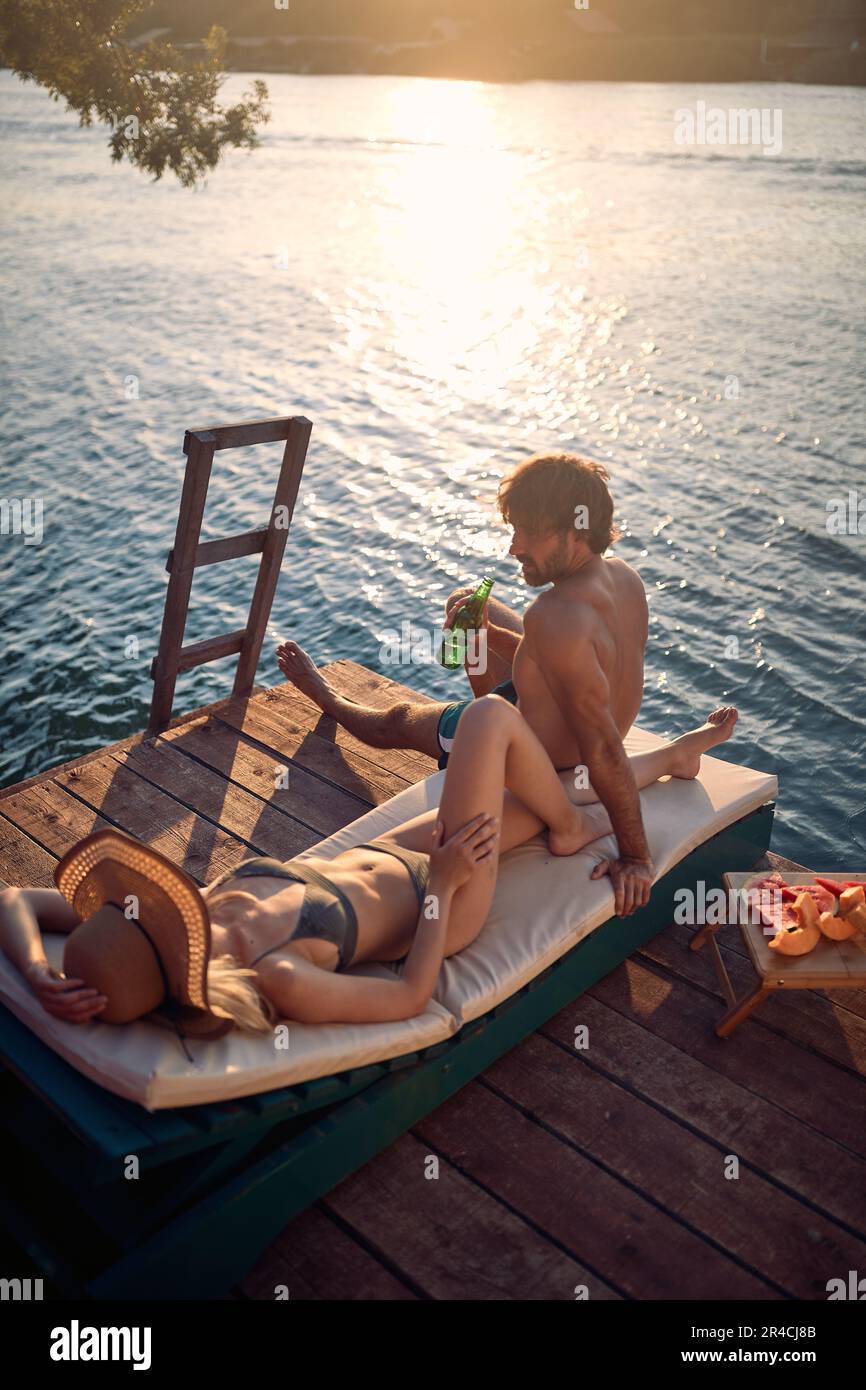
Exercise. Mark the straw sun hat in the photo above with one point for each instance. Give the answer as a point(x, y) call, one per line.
point(144, 938)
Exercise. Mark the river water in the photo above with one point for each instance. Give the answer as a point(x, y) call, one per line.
point(445, 277)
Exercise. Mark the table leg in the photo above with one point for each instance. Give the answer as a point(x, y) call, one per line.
point(735, 1015)
point(706, 933)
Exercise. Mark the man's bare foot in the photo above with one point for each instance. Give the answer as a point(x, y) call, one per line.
point(587, 824)
point(302, 671)
point(686, 751)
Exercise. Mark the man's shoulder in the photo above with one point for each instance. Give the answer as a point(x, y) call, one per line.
point(554, 614)
point(625, 572)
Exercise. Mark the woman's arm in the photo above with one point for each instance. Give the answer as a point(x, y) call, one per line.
point(23, 911)
point(306, 994)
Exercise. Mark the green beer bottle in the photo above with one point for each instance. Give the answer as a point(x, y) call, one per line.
point(467, 617)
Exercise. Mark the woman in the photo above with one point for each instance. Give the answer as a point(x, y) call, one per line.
point(281, 935)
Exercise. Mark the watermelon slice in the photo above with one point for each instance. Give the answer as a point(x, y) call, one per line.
point(776, 908)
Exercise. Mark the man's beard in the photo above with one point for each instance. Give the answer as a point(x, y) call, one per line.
point(537, 576)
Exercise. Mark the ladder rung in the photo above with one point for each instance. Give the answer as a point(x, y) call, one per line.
point(212, 552)
point(245, 432)
point(211, 649)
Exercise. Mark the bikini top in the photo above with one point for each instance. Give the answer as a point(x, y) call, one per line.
point(327, 913)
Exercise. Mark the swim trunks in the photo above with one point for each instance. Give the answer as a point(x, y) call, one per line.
point(451, 718)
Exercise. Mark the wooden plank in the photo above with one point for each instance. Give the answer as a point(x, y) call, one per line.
point(245, 432)
point(452, 1239)
point(296, 744)
point(680, 1172)
point(285, 497)
point(808, 1087)
point(224, 804)
point(130, 741)
point(192, 503)
point(141, 809)
point(737, 1113)
point(315, 1259)
point(636, 1247)
point(305, 797)
point(285, 701)
point(107, 794)
point(810, 1019)
point(23, 863)
point(51, 817)
point(229, 548)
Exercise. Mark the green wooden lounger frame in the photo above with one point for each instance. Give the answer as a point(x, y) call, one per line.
point(217, 1183)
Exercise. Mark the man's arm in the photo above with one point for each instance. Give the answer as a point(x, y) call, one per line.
point(503, 641)
point(569, 663)
point(500, 640)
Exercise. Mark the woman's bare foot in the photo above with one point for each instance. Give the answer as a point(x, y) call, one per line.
point(686, 751)
point(587, 824)
point(302, 671)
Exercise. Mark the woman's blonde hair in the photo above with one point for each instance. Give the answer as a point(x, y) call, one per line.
point(232, 993)
point(231, 987)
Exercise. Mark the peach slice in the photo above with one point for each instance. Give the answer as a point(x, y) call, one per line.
point(857, 917)
point(852, 898)
point(799, 940)
point(836, 928)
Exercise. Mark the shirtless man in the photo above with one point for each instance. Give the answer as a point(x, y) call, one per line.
point(573, 665)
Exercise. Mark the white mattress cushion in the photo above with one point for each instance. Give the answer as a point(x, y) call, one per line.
point(543, 905)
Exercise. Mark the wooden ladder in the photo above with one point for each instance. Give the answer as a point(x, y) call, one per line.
point(189, 553)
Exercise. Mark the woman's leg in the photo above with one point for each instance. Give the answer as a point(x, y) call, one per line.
point(493, 746)
point(680, 758)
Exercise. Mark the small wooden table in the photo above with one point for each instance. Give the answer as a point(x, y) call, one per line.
point(831, 965)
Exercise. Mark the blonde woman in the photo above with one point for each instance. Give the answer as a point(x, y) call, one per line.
point(275, 940)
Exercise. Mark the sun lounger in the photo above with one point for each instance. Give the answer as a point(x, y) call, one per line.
point(235, 1143)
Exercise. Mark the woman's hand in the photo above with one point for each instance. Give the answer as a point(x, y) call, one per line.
point(454, 860)
point(62, 997)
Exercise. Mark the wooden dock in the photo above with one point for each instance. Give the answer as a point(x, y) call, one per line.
point(557, 1167)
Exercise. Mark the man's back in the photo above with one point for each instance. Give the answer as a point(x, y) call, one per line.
point(606, 603)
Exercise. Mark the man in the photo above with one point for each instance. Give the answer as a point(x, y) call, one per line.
point(573, 664)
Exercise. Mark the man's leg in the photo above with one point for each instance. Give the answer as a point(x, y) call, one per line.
point(405, 724)
point(498, 669)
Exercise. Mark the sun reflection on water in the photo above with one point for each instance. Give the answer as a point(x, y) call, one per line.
point(465, 296)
